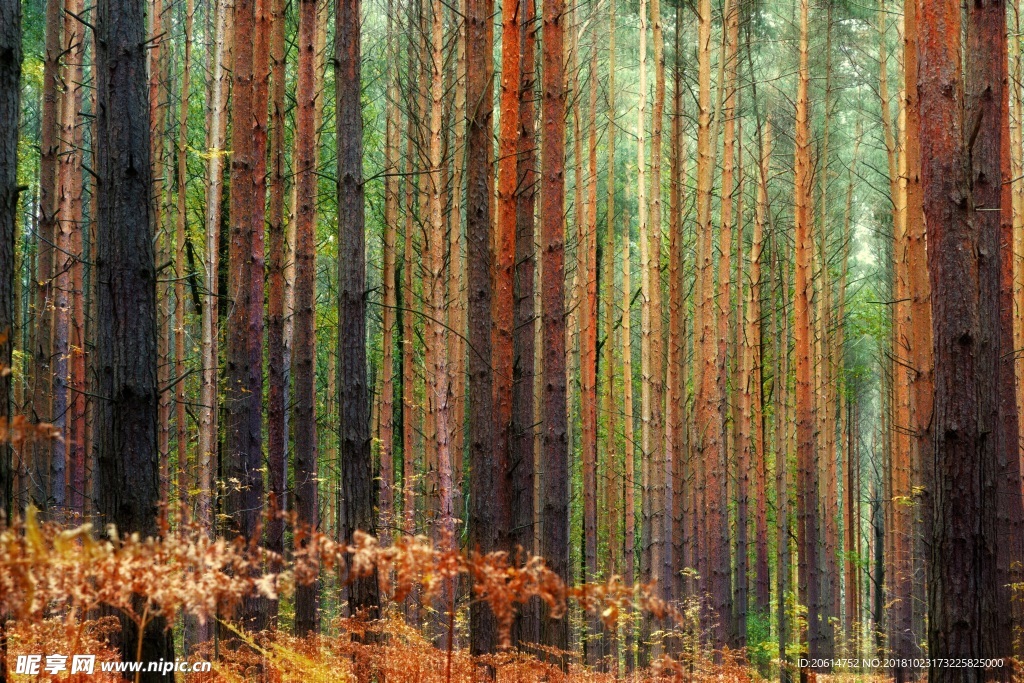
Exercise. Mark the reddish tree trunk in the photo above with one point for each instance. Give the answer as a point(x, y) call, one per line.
point(555, 455)
point(304, 332)
point(962, 561)
point(278, 257)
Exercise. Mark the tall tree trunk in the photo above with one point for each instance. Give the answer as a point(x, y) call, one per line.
point(762, 581)
point(521, 462)
point(588, 363)
point(208, 432)
point(127, 486)
point(243, 457)
point(749, 386)
point(723, 594)
point(389, 284)
point(645, 333)
point(612, 471)
point(807, 477)
point(456, 306)
point(439, 392)
point(987, 102)
point(408, 322)
point(278, 257)
point(961, 553)
point(485, 476)
point(159, 99)
point(629, 467)
point(901, 639)
point(661, 561)
point(676, 352)
point(186, 477)
point(10, 87)
point(555, 455)
point(709, 425)
point(503, 302)
point(304, 330)
point(79, 428)
point(69, 216)
point(42, 395)
point(921, 359)
point(851, 504)
point(782, 426)
point(353, 390)
point(827, 394)
point(181, 223)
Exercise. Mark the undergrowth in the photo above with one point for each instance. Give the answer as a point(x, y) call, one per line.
point(55, 582)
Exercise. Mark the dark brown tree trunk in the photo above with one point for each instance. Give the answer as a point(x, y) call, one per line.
point(987, 108)
point(125, 419)
point(10, 91)
point(354, 392)
point(486, 474)
point(961, 571)
point(304, 344)
point(555, 448)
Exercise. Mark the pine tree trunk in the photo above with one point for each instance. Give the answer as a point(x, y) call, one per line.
point(661, 561)
point(723, 593)
point(524, 430)
point(243, 458)
point(629, 467)
point(645, 334)
point(181, 221)
point(555, 483)
point(127, 486)
point(988, 104)
point(353, 390)
point(278, 257)
point(42, 378)
point(588, 363)
point(762, 581)
point(612, 472)
point(10, 87)
point(69, 213)
point(851, 504)
point(901, 638)
point(78, 431)
point(807, 476)
point(304, 332)
point(159, 96)
point(921, 359)
point(389, 284)
point(486, 474)
point(503, 301)
point(208, 418)
point(408, 322)
point(960, 556)
point(676, 365)
point(782, 425)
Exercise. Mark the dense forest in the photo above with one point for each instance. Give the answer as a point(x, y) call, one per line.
point(357, 310)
